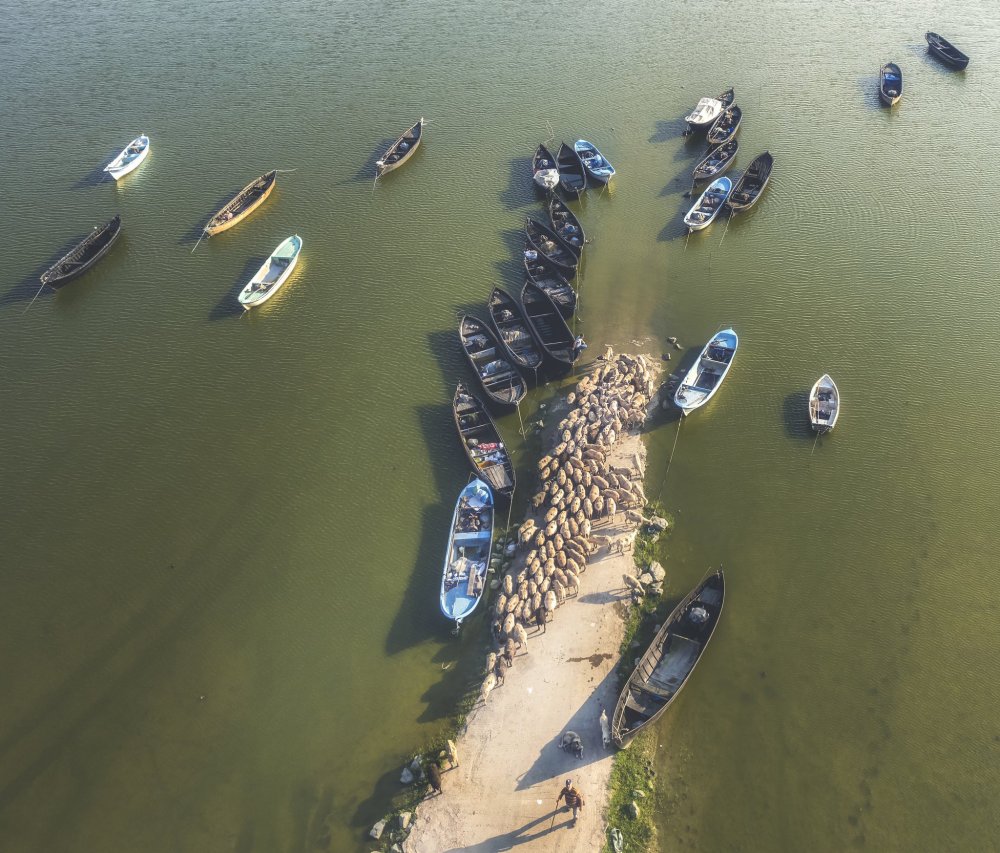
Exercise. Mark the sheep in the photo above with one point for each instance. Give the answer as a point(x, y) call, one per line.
point(491, 661)
point(508, 585)
point(632, 584)
point(605, 728)
point(550, 601)
point(487, 687)
point(452, 754)
point(501, 604)
point(541, 618)
point(509, 650)
point(521, 637)
point(508, 624)
point(500, 670)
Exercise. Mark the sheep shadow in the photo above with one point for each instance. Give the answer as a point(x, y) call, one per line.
point(795, 415)
point(228, 305)
point(521, 190)
point(668, 129)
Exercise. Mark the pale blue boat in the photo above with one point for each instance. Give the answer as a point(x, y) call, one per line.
point(705, 376)
point(596, 164)
point(709, 205)
point(468, 559)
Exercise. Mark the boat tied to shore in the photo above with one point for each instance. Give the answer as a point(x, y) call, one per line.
point(544, 171)
point(707, 110)
point(824, 404)
point(709, 205)
point(572, 173)
point(597, 165)
point(245, 202)
point(707, 373)
point(401, 150)
point(716, 161)
point(84, 255)
point(131, 156)
point(566, 225)
point(500, 379)
point(468, 556)
point(513, 330)
point(273, 273)
point(725, 126)
point(552, 281)
point(482, 442)
point(750, 185)
point(548, 324)
point(552, 248)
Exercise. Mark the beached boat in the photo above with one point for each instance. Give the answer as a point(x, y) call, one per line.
point(705, 376)
point(824, 404)
point(500, 379)
point(597, 165)
point(703, 116)
point(84, 255)
point(717, 161)
point(551, 247)
point(246, 201)
point(401, 150)
point(548, 324)
point(468, 557)
point(572, 174)
point(666, 665)
point(544, 172)
point(482, 442)
point(749, 186)
point(273, 273)
point(725, 126)
point(944, 50)
point(130, 158)
point(514, 331)
point(708, 205)
point(566, 225)
point(552, 281)
point(890, 84)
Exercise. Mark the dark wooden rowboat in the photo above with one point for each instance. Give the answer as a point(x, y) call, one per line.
point(670, 659)
point(514, 331)
point(566, 225)
point(482, 442)
point(717, 161)
point(725, 126)
point(944, 50)
point(548, 324)
point(544, 170)
point(554, 283)
point(550, 246)
point(500, 379)
point(401, 150)
point(246, 201)
point(750, 185)
point(890, 84)
point(83, 256)
point(572, 174)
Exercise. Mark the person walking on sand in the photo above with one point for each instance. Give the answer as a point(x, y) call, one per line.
point(574, 799)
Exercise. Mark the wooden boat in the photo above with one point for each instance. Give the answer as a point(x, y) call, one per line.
point(824, 404)
point(572, 174)
point(597, 165)
point(83, 256)
point(750, 185)
point(513, 330)
point(246, 201)
point(703, 116)
point(708, 205)
point(130, 158)
point(717, 161)
point(552, 281)
point(705, 376)
point(890, 84)
point(500, 379)
point(550, 246)
point(482, 442)
point(665, 667)
point(544, 171)
point(400, 151)
point(468, 556)
point(944, 50)
point(725, 126)
point(566, 225)
point(548, 324)
point(273, 273)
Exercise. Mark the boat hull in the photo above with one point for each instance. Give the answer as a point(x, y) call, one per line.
point(942, 49)
point(692, 393)
point(466, 562)
point(249, 298)
point(211, 230)
point(824, 405)
point(696, 219)
point(413, 137)
point(118, 172)
point(56, 279)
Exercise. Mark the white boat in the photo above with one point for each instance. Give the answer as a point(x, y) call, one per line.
point(706, 374)
point(824, 404)
point(130, 158)
point(709, 204)
point(597, 165)
point(467, 561)
point(272, 274)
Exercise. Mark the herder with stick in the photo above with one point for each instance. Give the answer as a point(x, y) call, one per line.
point(574, 799)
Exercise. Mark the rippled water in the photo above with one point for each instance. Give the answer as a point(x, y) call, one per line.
point(222, 536)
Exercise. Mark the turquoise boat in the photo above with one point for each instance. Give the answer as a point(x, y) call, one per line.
point(468, 559)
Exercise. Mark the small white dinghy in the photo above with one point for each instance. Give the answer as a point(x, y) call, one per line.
point(709, 205)
point(130, 158)
point(463, 580)
point(706, 374)
point(272, 274)
point(824, 404)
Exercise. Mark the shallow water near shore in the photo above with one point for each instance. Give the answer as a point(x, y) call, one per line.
point(222, 537)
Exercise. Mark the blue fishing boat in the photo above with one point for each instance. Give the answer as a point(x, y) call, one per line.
point(706, 374)
point(709, 204)
point(468, 558)
point(596, 164)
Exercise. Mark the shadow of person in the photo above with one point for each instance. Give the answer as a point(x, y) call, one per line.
point(522, 835)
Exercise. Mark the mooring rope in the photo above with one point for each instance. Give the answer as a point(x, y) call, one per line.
point(680, 423)
point(25, 311)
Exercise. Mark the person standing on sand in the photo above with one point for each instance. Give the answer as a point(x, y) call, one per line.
point(574, 799)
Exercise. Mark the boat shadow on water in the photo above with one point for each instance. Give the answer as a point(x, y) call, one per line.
point(668, 129)
point(795, 415)
point(868, 87)
point(366, 173)
point(95, 177)
point(228, 306)
point(521, 190)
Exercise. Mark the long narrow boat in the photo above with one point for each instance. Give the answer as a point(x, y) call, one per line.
point(944, 50)
point(401, 150)
point(245, 202)
point(750, 185)
point(482, 442)
point(725, 126)
point(890, 84)
point(717, 161)
point(550, 246)
point(703, 116)
point(468, 557)
point(597, 165)
point(566, 225)
point(665, 667)
point(709, 205)
point(548, 324)
point(572, 174)
point(500, 379)
point(84, 255)
point(552, 281)
point(514, 331)
point(273, 273)
point(544, 171)
point(130, 158)
point(706, 374)
point(824, 404)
